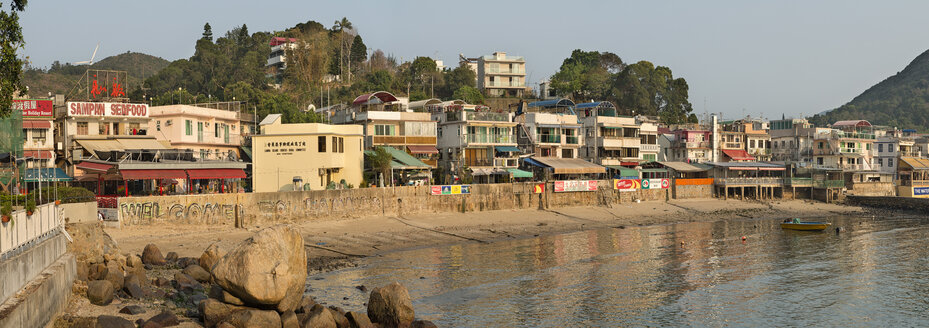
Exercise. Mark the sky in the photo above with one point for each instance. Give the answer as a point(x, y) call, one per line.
point(757, 58)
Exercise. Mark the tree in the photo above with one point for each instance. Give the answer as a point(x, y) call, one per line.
point(359, 50)
point(461, 76)
point(380, 163)
point(341, 27)
point(586, 75)
point(469, 94)
point(307, 64)
point(207, 32)
point(11, 66)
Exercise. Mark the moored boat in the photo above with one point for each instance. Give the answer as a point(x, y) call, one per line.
point(796, 224)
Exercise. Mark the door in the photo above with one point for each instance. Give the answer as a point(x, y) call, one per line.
point(199, 131)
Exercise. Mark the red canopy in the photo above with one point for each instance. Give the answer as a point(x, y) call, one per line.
point(382, 95)
point(37, 125)
point(152, 174)
point(423, 149)
point(39, 154)
point(738, 155)
point(216, 174)
point(91, 166)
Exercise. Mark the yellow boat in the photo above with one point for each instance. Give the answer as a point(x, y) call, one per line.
point(796, 224)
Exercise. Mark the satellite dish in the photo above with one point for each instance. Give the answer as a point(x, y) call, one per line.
point(91, 61)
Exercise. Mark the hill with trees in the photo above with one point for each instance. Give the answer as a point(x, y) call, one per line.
point(61, 78)
point(901, 100)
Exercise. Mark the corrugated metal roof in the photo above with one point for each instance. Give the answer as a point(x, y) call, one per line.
point(916, 163)
point(682, 167)
point(563, 102)
point(567, 165)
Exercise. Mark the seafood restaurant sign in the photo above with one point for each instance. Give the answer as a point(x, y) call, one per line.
point(105, 109)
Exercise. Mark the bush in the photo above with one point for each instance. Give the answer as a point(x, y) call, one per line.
point(30, 206)
point(6, 209)
point(66, 194)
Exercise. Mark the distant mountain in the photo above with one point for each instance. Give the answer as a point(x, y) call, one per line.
point(61, 78)
point(899, 101)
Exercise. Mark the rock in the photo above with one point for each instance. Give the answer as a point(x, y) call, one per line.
point(164, 319)
point(183, 278)
point(161, 282)
point(138, 276)
point(132, 309)
point(197, 298)
point(100, 292)
point(217, 292)
point(134, 289)
point(306, 304)
point(362, 288)
point(210, 256)
point(289, 320)
point(339, 315)
point(358, 320)
point(423, 324)
point(171, 257)
point(319, 317)
point(186, 261)
point(291, 300)
point(248, 318)
point(83, 270)
point(116, 278)
point(97, 271)
point(109, 321)
point(135, 262)
point(266, 268)
point(152, 255)
point(195, 271)
point(225, 325)
point(214, 311)
point(391, 306)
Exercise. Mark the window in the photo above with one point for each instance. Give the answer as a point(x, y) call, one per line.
point(751, 143)
point(385, 130)
point(321, 142)
point(880, 162)
point(341, 145)
point(134, 128)
point(216, 129)
point(82, 128)
point(38, 135)
point(819, 160)
point(335, 144)
point(890, 162)
point(189, 127)
point(820, 147)
point(868, 147)
point(880, 148)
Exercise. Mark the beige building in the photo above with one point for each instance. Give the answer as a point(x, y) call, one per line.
point(211, 134)
point(307, 156)
point(499, 75)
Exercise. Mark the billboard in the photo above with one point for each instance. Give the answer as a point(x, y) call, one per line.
point(105, 109)
point(920, 191)
point(34, 108)
point(539, 188)
point(575, 185)
point(451, 190)
point(626, 184)
point(656, 183)
point(105, 85)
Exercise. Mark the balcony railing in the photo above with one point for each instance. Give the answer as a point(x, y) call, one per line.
point(571, 140)
point(504, 71)
point(799, 182)
point(487, 116)
point(828, 183)
point(505, 162)
point(648, 148)
point(693, 144)
point(749, 181)
point(506, 85)
point(403, 140)
point(548, 138)
point(488, 138)
point(479, 162)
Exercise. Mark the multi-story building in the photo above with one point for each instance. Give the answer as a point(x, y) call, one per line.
point(475, 137)
point(277, 59)
point(212, 134)
point(38, 142)
point(847, 146)
point(792, 140)
point(613, 140)
point(499, 75)
point(556, 135)
point(308, 156)
point(690, 145)
point(745, 140)
point(387, 121)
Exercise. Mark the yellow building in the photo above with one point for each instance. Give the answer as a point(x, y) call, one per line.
point(307, 156)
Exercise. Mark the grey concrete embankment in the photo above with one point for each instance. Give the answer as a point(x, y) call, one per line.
point(893, 203)
point(36, 284)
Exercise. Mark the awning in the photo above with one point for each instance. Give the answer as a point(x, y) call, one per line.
point(216, 174)
point(141, 144)
point(48, 174)
point(916, 163)
point(682, 167)
point(566, 165)
point(625, 171)
point(152, 174)
point(654, 170)
point(477, 172)
point(101, 145)
point(506, 148)
point(517, 173)
point(423, 149)
point(39, 154)
point(37, 125)
point(406, 159)
point(91, 166)
point(738, 155)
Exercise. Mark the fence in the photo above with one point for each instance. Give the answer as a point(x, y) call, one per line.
point(23, 231)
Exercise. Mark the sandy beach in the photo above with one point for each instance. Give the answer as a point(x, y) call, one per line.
point(346, 238)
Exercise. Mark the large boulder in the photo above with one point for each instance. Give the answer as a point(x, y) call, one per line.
point(391, 306)
point(214, 311)
point(217, 292)
point(197, 273)
point(358, 320)
point(289, 320)
point(100, 292)
point(268, 269)
point(210, 256)
point(117, 278)
point(254, 318)
point(152, 255)
point(109, 321)
point(339, 315)
point(97, 271)
point(133, 288)
point(423, 324)
point(319, 317)
point(164, 319)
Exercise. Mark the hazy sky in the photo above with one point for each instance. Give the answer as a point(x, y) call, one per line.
point(766, 58)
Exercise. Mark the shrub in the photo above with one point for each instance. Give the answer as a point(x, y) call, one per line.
point(6, 209)
point(30, 206)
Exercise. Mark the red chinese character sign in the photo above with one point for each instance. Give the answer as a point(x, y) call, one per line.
point(105, 85)
point(33, 108)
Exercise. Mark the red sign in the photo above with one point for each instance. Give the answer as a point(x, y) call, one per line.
point(539, 188)
point(98, 109)
point(34, 108)
point(626, 184)
point(575, 185)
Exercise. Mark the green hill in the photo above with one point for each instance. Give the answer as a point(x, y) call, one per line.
point(61, 78)
point(899, 101)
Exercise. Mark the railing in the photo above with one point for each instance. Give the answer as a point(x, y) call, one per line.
point(479, 162)
point(549, 138)
point(799, 182)
point(647, 147)
point(505, 162)
point(23, 231)
point(511, 58)
point(733, 145)
point(504, 71)
point(693, 144)
point(107, 201)
point(749, 181)
point(508, 85)
point(846, 150)
point(488, 138)
point(487, 116)
point(571, 140)
point(828, 183)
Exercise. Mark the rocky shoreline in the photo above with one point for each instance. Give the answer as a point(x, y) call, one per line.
point(261, 282)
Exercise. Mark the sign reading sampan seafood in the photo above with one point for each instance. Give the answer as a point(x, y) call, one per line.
point(451, 190)
point(576, 185)
point(105, 109)
point(626, 184)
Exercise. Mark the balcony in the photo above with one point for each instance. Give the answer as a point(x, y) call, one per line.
point(505, 71)
point(732, 145)
point(399, 140)
point(822, 184)
point(693, 144)
point(571, 140)
point(799, 182)
point(488, 139)
point(548, 138)
point(487, 116)
point(749, 181)
point(475, 162)
point(648, 148)
point(505, 162)
point(497, 84)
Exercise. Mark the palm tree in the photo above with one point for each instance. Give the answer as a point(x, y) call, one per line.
point(380, 163)
point(341, 26)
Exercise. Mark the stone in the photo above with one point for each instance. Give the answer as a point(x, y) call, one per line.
point(289, 320)
point(171, 257)
point(306, 304)
point(196, 298)
point(319, 317)
point(109, 321)
point(183, 278)
point(100, 292)
point(358, 320)
point(186, 261)
point(266, 269)
point(97, 271)
point(116, 278)
point(339, 315)
point(134, 289)
point(291, 300)
point(135, 262)
point(152, 255)
point(225, 325)
point(423, 324)
point(164, 319)
point(161, 282)
point(214, 311)
point(83, 270)
point(195, 271)
point(391, 306)
point(217, 292)
point(249, 317)
point(210, 256)
point(132, 309)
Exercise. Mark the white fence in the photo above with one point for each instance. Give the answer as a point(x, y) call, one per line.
point(23, 231)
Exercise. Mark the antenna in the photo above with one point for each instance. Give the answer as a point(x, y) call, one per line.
point(91, 61)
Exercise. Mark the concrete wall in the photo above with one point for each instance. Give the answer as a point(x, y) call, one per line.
point(692, 191)
point(18, 270)
point(872, 189)
point(79, 212)
point(890, 202)
point(43, 298)
point(249, 209)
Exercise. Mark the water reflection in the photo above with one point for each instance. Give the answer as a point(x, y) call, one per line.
point(692, 274)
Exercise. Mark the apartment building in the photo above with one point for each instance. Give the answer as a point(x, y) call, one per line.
point(211, 134)
point(555, 135)
point(792, 140)
point(847, 146)
point(38, 132)
point(690, 145)
point(475, 137)
point(613, 140)
point(499, 74)
point(744, 140)
point(277, 59)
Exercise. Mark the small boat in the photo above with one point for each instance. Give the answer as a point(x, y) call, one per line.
point(796, 224)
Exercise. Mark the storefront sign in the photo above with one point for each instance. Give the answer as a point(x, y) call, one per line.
point(626, 184)
point(103, 85)
point(284, 147)
point(656, 183)
point(920, 191)
point(105, 109)
point(569, 186)
point(33, 108)
point(451, 190)
point(539, 188)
